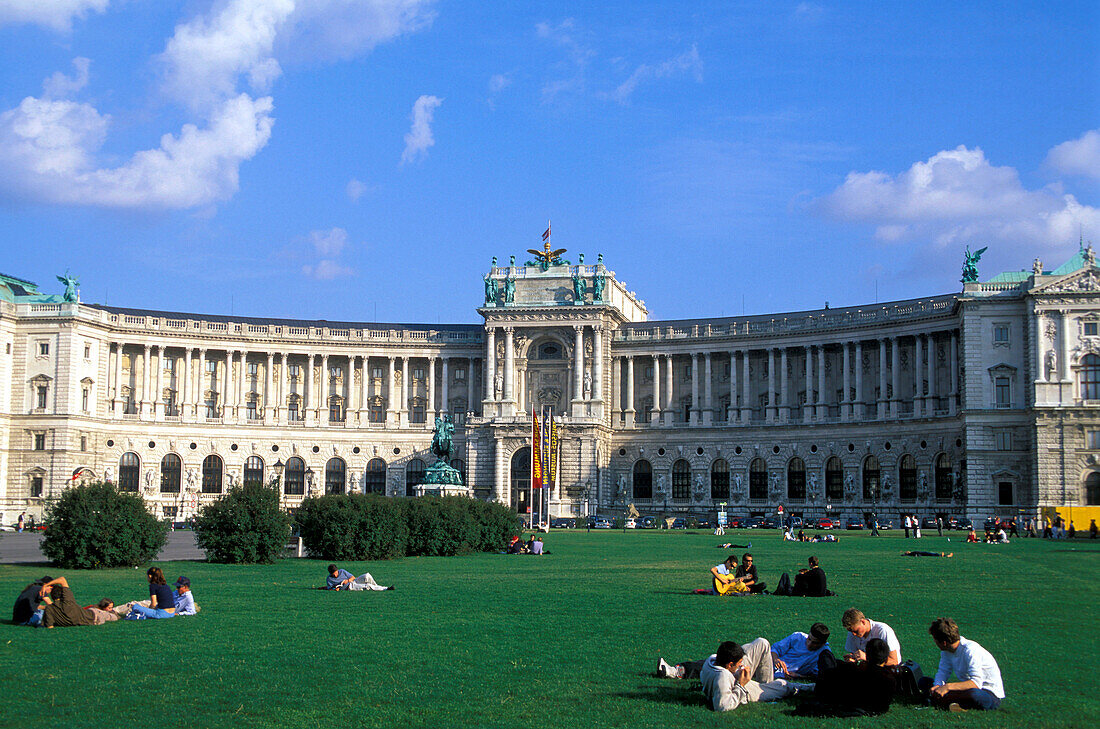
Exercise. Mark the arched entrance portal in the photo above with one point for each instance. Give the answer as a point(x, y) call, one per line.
point(521, 480)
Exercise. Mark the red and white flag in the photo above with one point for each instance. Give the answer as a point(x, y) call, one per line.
point(546, 235)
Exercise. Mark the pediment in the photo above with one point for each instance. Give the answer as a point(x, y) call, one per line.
point(1002, 369)
point(1086, 280)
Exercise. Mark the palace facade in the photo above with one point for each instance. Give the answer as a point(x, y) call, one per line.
point(978, 403)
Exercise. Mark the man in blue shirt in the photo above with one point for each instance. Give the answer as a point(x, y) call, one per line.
point(797, 655)
point(341, 579)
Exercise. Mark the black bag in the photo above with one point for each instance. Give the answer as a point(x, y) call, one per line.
point(909, 676)
point(784, 586)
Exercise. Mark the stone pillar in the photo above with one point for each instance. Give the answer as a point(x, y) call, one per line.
point(203, 381)
point(746, 389)
point(185, 408)
point(930, 400)
point(918, 377)
point(769, 413)
point(158, 386)
point(822, 407)
point(445, 385)
point(490, 364)
point(655, 415)
point(859, 411)
point(391, 394)
point(882, 379)
point(404, 404)
point(242, 384)
point(669, 409)
point(326, 392)
point(1040, 332)
point(693, 416)
point(501, 491)
point(146, 361)
point(284, 388)
point(597, 365)
point(306, 400)
point(268, 413)
point(895, 372)
point(845, 399)
point(433, 413)
point(629, 413)
point(117, 409)
point(708, 391)
point(509, 365)
point(1063, 354)
point(732, 415)
point(578, 365)
point(784, 400)
point(953, 400)
point(616, 391)
point(808, 406)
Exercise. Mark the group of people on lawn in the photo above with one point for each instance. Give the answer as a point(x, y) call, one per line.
point(732, 577)
point(49, 603)
point(864, 681)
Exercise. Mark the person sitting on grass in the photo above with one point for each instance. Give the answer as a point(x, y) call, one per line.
point(979, 677)
point(516, 546)
point(725, 581)
point(854, 689)
point(971, 536)
point(798, 655)
point(860, 630)
point(184, 599)
point(62, 609)
point(747, 574)
point(341, 579)
point(733, 676)
point(918, 553)
point(161, 603)
point(27, 610)
point(536, 545)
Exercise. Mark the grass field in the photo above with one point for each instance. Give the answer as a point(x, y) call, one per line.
point(568, 639)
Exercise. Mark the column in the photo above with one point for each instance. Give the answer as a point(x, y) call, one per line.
point(391, 394)
point(895, 371)
point(325, 386)
point(808, 406)
point(432, 413)
point(200, 392)
point(158, 400)
point(746, 389)
point(784, 401)
point(859, 411)
point(655, 415)
point(822, 408)
point(930, 352)
point(953, 399)
point(1040, 331)
point(732, 414)
point(284, 388)
point(629, 412)
point(918, 376)
point(185, 379)
point(882, 379)
point(708, 391)
point(146, 361)
point(668, 411)
point(693, 417)
point(306, 400)
point(616, 394)
point(845, 399)
point(509, 365)
point(490, 364)
point(117, 409)
point(521, 389)
point(578, 363)
point(242, 383)
point(268, 413)
point(597, 363)
point(501, 492)
point(1063, 345)
point(361, 413)
point(444, 388)
point(404, 411)
point(226, 384)
point(771, 410)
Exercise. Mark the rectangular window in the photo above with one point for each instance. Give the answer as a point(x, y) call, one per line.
point(460, 374)
point(254, 368)
point(295, 372)
point(211, 408)
point(1092, 439)
point(169, 364)
point(41, 399)
point(36, 486)
point(1090, 328)
point(1004, 493)
point(84, 399)
point(336, 371)
point(1002, 440)
point(376, 373)
point(419, 373)
point(44, 349)
point(40, 441)
point(87, 351)
point(336, 412)
point(649, 373)
point(1000, 333)
point(292, 411)
point(212, 367)
point(1002, 393)
point(83, 443)
point(250, 410)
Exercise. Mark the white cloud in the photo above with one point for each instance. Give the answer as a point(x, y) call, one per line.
point(808, 12)
point(327, 246)
point(326, 270)
point(957, 197)
point(60, 86)
point(1078, 157)
point(498, 81)
point(340, 29)
point(685, 63)
point(329, 242)
point(420, 138)
point(578, 55)
point(54, 14)
point(356, 189)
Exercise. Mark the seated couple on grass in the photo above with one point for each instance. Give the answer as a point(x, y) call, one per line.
point(809, 582)
point(730, 578)
point(50, 603)
point(341, 579)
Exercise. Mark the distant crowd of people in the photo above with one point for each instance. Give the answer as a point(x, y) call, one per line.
point(533, 545)
point(49, 603)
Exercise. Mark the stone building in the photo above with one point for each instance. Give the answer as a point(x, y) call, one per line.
point(978, 403)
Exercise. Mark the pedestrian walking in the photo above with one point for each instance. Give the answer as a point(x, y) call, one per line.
point(22, 521)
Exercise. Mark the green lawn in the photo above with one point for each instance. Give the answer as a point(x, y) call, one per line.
point(569, 639)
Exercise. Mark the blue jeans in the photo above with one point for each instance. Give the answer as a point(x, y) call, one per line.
point(35, 619)
point(151, 612)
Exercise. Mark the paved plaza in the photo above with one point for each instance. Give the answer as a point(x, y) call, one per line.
point(25, 548)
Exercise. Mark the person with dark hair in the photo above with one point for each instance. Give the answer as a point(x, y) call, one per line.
point(854, 689)
point(1092, 529)
point(62, 610)
point(747, 574)
point(979, 677)
point(918, 553)
point(341, 579)
point(161, 603)
point(797, 655)
point(734, 675)
point(810, 582)
point(26, 610)
point(103, 611)
point(725, 583)
point(860, 630)
point(184, 600)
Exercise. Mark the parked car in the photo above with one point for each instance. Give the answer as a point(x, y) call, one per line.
point(771, 522)
point(679, 523)
point(754, 522)
point(826, 523)
point(855, 524)
point(648, 522)
point(563, 523)
point(735, 522)
point(887, 525)
point(796, 522)
point(703, 523)
point(601, 522)
point(928, 522)
point(964, 525)
point(810, 523)
point(181, 525)
point(630, 524)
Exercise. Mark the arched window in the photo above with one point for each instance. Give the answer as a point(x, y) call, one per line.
point(796, 479)
point(521, 480)
point(171, 471)
point(212, 475)
point(414, 476)
point(758, 479)
point(871, 476)
point(129, 468)
point(335, 476)
point(253, 471)
point(1090, 377)
point(907, 478)
point(294, 477)
point(681, 480)
point(1092, 489)
point(460, 465)
point(720, 480)
point(374, 478)
point(944, 477)
point(834, 479)
point(643, 480)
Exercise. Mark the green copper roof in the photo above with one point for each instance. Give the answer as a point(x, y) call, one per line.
point(1010, 277)
point(1074, 264)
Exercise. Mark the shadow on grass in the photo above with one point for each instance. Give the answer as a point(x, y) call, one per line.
point(680, 694)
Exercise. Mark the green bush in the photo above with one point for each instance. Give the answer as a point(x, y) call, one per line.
point(94, 526)
point(370, 527)
point(247, 525)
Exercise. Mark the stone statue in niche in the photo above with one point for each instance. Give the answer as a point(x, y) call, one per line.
point(849, 488)
point(737, 482)
point(587, 384)
point(700, 490)
point(1050, 364)
point(775, 489)
point(813, 485)
point(622, 485)
point(498, 385)
point(149, 485)
point(922, 486)
point(659, 489)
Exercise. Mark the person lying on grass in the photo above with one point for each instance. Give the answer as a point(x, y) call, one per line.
point(62, 609)
point(798, 655)
point(341, 579)
point(860, 630)
point(734, 675)
point(918, 553)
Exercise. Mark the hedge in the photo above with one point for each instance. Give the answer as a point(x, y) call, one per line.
point(246, 525)
point(370, 527)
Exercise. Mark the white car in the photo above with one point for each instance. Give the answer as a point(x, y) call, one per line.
point(630, 524)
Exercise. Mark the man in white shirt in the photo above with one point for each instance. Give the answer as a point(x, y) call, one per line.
point(735, 675)
point(185, 601)
point(860, 630)
point(908, 521)
point(979, 677)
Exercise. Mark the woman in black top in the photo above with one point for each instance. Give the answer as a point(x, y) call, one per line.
point(161, 602)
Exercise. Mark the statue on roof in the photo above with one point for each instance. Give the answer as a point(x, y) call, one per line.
point(490, 290)
point(1037, 267)
point(599, 281)
point(578, 288)
point(509, 290)
point(71, 282)
point(546, 258)
point(1090, 255)
point(970, 264)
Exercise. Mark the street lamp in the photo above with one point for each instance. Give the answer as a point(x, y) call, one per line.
point(309, 480)
point(279, 466)
point(874, 508)
point(587, 497)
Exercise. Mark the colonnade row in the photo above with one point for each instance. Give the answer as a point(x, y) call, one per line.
point(776, 400)
point(587, 371)
point(309, 389)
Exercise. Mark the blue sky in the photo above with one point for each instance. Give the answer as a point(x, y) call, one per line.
point(365, 159)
